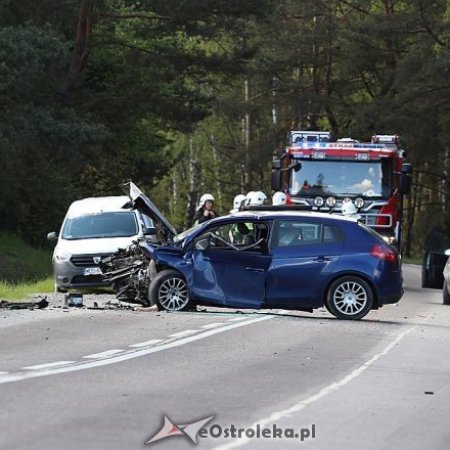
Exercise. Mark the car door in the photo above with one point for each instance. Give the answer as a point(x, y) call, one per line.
point(304, 253)
point(230, 272)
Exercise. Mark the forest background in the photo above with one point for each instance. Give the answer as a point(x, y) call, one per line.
point(191, 96)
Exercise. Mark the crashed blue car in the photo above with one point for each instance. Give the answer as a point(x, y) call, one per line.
point(295, 260)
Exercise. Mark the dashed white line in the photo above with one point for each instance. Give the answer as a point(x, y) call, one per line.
point(183, 333)
point(48, 365)
point(131, 354)
point(146, 343)
point(104, 354)
point(3, 373)
point(211, 325)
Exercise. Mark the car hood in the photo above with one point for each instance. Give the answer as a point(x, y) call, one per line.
point(93, 246)
point(142, 203)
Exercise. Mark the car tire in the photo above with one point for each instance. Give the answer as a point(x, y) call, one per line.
point(445, 294)
point(349, 298)
point(169, 291)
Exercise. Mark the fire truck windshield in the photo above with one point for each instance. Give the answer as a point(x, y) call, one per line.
point(324, 177)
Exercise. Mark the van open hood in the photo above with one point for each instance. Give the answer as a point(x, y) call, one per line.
point(142, 203)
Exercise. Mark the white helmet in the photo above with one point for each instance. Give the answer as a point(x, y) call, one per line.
point(203, 199)
point(238, 202)
point(279, 198)
point(255, 198)
point(349, 209)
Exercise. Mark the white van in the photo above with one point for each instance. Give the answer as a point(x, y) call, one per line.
point(94, 228)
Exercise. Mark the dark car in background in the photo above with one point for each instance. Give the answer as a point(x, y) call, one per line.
point(273, 259)
point(434, 259)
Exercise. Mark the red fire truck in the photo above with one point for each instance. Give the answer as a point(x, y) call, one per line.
point(321, 174)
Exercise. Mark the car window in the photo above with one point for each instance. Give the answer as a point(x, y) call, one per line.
point(107, 224)
point(290, 233)
point(148, 221)
point(236, 235)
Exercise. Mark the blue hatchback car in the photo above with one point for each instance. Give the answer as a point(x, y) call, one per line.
point(292, 260)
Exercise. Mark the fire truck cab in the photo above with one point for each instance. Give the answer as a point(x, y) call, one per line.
point(321, 174)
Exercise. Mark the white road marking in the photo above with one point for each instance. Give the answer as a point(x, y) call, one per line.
point(3, 373)
point(276, 416)
point(146, 343)
point(48, 365)
point(211, 325)
point(236, 319)
point(183, 333)
point(104, 354)
point(82, 365)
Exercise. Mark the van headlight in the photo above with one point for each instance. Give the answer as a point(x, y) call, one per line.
point(62, 256)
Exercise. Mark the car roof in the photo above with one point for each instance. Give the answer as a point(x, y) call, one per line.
point(258, 215)
point(96, 205)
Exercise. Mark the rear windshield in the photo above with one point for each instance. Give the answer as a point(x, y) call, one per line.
point(103, 225)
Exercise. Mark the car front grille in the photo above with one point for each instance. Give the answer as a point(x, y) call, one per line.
point(86, 260)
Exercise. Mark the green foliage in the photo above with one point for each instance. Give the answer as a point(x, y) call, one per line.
point(20, 262)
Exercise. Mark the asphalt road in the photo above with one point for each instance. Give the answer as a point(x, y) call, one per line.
point(104, 379)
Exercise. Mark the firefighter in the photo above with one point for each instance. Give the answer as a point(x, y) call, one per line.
point(279, 198)
point(237, 203)
point(349, 210)
point(205, 210)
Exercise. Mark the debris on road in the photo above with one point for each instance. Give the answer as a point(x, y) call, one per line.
point(41, 304)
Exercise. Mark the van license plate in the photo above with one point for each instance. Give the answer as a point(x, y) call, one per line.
point(92, 271)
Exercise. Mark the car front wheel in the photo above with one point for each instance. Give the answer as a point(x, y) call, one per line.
point(349, 298)
point(169, 291)
point(445, 294)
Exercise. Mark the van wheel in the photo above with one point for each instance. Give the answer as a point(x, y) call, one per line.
point(349, 298)
point(169, 291)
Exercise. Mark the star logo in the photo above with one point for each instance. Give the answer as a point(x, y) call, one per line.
point(189, 430)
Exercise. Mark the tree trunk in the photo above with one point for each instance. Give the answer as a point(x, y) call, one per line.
point(81, 50)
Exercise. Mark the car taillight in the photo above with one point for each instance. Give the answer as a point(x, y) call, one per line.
point(384, 253)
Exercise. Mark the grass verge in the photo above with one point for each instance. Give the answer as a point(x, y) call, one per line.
point(11, 291)
point(21, 263)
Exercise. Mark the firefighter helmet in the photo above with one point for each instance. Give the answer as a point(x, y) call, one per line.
point(279, 198)
point(255, 198)
point(203, 199)
point(349, 209)
point(238, 202)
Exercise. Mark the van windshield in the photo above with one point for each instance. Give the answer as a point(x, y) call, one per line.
point(103, 225)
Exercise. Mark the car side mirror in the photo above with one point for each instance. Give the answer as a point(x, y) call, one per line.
point(406, 179)
point(276, 180)
point(202, 244)
point(150, 231)
point(52, 236)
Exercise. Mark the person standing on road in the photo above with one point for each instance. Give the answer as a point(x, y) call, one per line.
point(205, 210)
